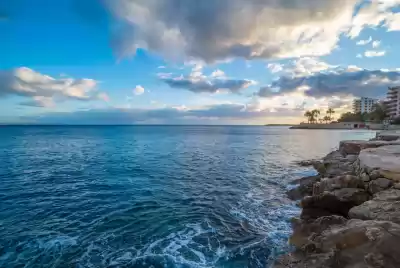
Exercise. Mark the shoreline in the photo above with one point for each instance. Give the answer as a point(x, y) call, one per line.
point(350, 210)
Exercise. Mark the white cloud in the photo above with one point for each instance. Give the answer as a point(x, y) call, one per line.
point(374, 53)
point(364, 42)
point(376, 44)
point(138, 90)
point(45, 90)
point(359, 56)
point(218, 73)
point(275, 67)
point(161, 67)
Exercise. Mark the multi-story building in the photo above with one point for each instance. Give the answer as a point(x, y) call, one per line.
point(393, 102)
point(364, 105)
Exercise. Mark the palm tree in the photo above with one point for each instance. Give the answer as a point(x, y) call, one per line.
point(327, 118)
point(330, 112)
point(309, 116)
point(315, 113)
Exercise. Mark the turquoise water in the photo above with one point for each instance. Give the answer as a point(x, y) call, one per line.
point(151, 196)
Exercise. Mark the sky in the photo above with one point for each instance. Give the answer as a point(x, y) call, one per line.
point(246, 62)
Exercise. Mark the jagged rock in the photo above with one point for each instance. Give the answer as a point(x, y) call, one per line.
point(365, 178)
point(338, 202)
point(378, 185)
point(305, 187)
point(319, 167)
point(354, 147)
point(385, 206)
point(305, 163)
point(302, 229)
point(355, 244)
point(351, 158)
point(374, 174)
point(385, 160)
point(330, 184)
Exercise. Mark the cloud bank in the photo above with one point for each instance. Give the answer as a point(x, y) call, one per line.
point(249, 29)
point(44, 90)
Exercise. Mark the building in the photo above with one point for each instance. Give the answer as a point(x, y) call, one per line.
point(393, 102)
point(364, 105)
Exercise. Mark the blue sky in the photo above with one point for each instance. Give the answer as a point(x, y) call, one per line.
point(191, 62)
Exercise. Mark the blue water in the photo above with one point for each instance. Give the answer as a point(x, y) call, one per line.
point(151, 196)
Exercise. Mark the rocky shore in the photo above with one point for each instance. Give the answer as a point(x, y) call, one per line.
point(351, 210)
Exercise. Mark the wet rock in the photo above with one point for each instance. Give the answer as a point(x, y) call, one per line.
point(385, 206)
point(356, 243)
point(379, 185)
point(338, 202)
point(305, 187)
point(330, 184)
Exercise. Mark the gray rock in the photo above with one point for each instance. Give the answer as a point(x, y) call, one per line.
point(338, 202)
point(305, 187)
point(378, 185)
point(364, 177)
point(354, 244)
point(385, 206)
point(396, 186)
point(375, 174)
point(330, 184)
point(385, 159)
point(354, 147)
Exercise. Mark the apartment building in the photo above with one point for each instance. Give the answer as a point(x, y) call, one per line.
point(393, 102)
point(364, 105)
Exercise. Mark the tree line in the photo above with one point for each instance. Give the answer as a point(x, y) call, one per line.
point(313, 116)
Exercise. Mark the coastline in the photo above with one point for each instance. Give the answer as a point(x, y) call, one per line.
point(351, 210)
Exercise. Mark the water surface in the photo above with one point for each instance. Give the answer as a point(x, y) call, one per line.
point(151, 196)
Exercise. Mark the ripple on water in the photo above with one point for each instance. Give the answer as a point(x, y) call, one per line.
point(150, 196)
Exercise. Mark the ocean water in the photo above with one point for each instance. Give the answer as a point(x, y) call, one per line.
point(151, 196)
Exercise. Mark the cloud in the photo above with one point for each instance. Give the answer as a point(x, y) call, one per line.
point(342, 82)
point(229, 112)
point(226, 29)
point(376, 44)
point(138, 90)
point(300, 67)
point(197, 82)
point(44, 89)
point(364, 42)
point(374, 53)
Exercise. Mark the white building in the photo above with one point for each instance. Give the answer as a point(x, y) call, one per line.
point(364, 105)
point(393, 102)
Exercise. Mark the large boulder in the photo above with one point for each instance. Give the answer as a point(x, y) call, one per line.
point(385, 206)
point(337, 202)
point(304, 188)
point(388, 135)
point(354, 147)
point(383, 161)
point(354, 244)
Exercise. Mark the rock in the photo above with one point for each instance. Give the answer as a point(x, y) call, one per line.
point(319, 167)
point(354, 147)
point(302, 229)
point(305, 187)
point(334, 155)
point(305, 163)
point(378, 185)
point(365, 178)
point(388, 135)
point(338, 202)
point(374, 174)
point(354, 244)
point(396, 186)
point(330, 184)
point(385, 206)
point(351, 158)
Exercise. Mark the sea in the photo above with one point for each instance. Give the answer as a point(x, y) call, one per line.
point(152, 196)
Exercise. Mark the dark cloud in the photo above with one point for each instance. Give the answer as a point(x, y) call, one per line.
point(337, 82)
point(204, 84)
point(224, 29)
point(209, 114)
